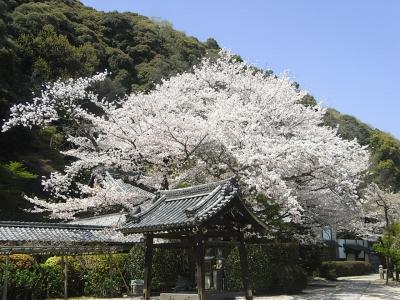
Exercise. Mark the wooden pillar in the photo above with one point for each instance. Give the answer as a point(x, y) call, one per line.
point(192, 260)
point(110, 274)
point(148, 259)
point(64, 264)
point(5, 283)
point(200, 251)
point(245, 268)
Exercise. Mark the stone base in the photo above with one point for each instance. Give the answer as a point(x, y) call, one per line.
point(210, 295)
point(179, 296)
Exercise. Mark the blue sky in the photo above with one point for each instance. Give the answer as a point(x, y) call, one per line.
point(345, 53)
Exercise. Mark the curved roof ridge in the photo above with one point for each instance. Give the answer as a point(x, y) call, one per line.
point(107, 219)
point(199, 205)
point(48, 225)
point(206, 187)
point(95, 217)
point(218, 204)
point(136, 217)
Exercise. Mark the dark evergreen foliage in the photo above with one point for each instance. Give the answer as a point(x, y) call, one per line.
point(50, 39)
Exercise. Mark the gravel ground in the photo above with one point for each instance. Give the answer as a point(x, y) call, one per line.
point(346, 288)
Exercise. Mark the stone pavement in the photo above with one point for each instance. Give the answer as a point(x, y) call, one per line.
point(346, 288)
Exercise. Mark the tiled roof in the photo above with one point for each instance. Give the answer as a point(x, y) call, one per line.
point(27, 232)
point(113, 220)
point(126, 187)
point(187, 207)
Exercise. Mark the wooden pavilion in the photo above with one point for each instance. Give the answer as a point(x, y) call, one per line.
point(205, 219)
point(199, 218)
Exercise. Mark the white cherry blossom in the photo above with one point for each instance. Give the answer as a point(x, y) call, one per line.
point(225, 118)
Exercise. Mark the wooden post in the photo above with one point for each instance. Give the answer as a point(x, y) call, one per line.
point(245, 268)
point(148, 259)
point(201, 289)
point(5, 283)
point(110, 268)
point(191, 260)
point(64, 263)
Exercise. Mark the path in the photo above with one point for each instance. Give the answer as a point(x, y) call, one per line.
point(345, 288)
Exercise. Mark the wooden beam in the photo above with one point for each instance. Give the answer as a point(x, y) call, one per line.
point(174, 235)
point(220, 233)
point(174, 245)
point(245, 269)
point(221, 244)
point(5, 283)
point(148, 259)
point(200, 252)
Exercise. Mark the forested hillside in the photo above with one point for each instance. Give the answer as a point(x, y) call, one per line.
point(45, 40)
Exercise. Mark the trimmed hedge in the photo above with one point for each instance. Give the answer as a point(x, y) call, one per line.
point(333, 269)
point(273, 267)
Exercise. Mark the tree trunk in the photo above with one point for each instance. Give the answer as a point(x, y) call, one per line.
point(387, 270)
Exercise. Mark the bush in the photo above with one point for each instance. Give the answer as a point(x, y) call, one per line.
point(333, 269)
point(290, 279)
point(101, 277)
point(353, 268)
point(24, 278)
point(328, 270)
point(273, 267)
point(167, 265)
point(310, 258)
point(53, 278)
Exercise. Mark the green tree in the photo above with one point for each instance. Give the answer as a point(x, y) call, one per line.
point(388, 245)
point(48, 56)
point(385, 160)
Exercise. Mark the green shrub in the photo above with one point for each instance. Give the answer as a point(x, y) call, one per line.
point(24, 277)
point(333, 269)
point(134, 263)
point(328, 270)
point(22, 261)
point(53, 278)
point(272, 267)
point(101, 277)
point(310, 258)
point(168, 264)
point(289, 279)
point(233, 279)
point(353, 268)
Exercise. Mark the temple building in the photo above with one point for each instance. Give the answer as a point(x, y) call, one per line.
point(205, 219)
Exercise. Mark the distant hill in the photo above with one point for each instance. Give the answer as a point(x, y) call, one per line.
point(45, 40)
point(385, 148)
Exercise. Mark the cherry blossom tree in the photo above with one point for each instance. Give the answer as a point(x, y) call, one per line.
point(381, 208)
point(224, 118)
point(382, 212)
